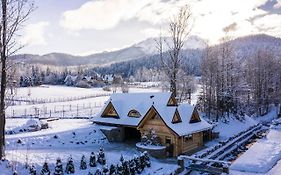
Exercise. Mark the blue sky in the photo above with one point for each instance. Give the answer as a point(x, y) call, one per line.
point(83, 27)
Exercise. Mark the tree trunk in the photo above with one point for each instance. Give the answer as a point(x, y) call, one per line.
point(3, 78)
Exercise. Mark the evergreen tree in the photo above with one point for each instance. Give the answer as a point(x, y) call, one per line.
point(83, 163)
point(142, 162)
point(69, 169)
point(15, 173)
point(58, 167)
point(93, 160)
point(126, 168)
point(98, 172)
point(45, 169)
point(112, 170)
point(32, 170)
point(101, 157)
point(119, 169)
point(138, 164)
point(105, 170)
point(132, 165)
point(147, 159)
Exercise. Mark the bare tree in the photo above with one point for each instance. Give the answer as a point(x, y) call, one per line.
point(179, 29)
point(13, 14)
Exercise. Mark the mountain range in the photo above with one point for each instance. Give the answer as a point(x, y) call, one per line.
point(147, 48)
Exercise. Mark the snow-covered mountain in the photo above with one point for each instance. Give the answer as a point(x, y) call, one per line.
point(243, 46)
point(149, 45)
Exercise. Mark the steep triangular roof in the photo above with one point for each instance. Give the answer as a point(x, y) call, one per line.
point(125, 102)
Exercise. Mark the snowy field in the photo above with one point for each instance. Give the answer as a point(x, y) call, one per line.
point(73, 107)
point(78, 137)
point(66, 137)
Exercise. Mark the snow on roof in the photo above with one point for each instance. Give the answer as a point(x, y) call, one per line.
point(142, 102)
point(185, 127)
point(125, 102)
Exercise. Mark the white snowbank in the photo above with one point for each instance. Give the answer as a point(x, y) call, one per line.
point(150, 147)
point(261, 156)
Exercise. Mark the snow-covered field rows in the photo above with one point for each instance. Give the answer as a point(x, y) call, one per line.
point(75, 108)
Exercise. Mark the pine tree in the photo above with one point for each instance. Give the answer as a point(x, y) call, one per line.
point(126, 168)
point(83, 163)
point(98, 172)
point(69, 169)
point(147, 159)
point(32, 170)
point(101, 157)
point(105, 170)
point(119, 169)
point(138, 164)
point(112, 170)
point(58, 168)
point(132, 165)
point(45, 169)
point(15, 173)
point(93, 160)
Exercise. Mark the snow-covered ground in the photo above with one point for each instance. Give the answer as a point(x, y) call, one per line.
point(77, 137)
point(74, 108)
point(66, 137)
point(263, 156)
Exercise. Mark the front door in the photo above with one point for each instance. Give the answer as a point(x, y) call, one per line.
point(169, 147)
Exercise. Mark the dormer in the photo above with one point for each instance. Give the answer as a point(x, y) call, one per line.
point(195, 117)
point(134, 113)
point(172, 101)
point(110, 111)
point(176, 117)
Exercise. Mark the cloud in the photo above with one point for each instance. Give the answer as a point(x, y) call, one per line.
point(101, 14)
point(209, 17)
point(34, 34)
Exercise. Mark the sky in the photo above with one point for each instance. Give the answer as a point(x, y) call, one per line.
point(83, 27)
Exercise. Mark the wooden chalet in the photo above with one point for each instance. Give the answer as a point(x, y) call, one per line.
point(130, 115)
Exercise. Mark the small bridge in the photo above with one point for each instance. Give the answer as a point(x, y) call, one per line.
point(216, 167)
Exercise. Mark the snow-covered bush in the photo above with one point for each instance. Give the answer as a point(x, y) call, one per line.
point(45, 169)
point(83, 163)
point(69, 169)
point(101, 157)
point(58, 167)
point(150, 138)
point(93, 160)
point(32, 170)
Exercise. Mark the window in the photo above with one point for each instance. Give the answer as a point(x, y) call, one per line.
point(188, 138)
point(110, 111)
point(195, 117)
point(168, 140)
point(176, 118)
point(134, 113)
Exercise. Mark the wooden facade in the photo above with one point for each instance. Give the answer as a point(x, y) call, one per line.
point(174, 143)
point(135, 122)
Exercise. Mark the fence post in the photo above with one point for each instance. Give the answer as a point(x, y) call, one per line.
point(77, 109)
point(50, 113)
point(63, 111)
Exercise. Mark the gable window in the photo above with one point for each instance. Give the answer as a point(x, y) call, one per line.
point(134, 113)
point(176, 117)
point(195, 117)
point(110, 111)
point(172, 101)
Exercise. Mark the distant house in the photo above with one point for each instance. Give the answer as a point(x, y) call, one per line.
point(131, 115)
point(70, 80)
